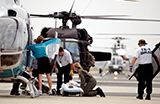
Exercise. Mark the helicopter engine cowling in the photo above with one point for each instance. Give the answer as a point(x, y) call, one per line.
point(82, 34)
point(62, 33)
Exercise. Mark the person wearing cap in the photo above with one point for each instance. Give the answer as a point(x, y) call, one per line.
point(39, 51)
point(145, 69)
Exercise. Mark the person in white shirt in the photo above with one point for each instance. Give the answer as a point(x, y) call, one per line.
point(145, 69)
point(64, 64)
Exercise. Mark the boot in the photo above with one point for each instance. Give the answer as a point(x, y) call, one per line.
point(13, 92)
point(97, 88)
point(139, 97)
point(148, 97)
point(58, 92)
point(100, 92)
point(15, 89)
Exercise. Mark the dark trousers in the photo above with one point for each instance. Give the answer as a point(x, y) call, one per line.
point(145, 73)
point(62, 70)
point(15, 88)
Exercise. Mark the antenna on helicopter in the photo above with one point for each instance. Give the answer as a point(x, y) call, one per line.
point(76, 21)
point(72, 7)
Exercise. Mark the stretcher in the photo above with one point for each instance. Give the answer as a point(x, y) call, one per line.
point(71, 88)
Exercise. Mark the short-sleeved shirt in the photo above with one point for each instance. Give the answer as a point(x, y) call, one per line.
point(144, 55)
point(39, 49)
point(65, 59)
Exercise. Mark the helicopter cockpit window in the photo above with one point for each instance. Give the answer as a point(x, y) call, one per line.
point(123, 46)
point(12, 41)
point(11, 37)
point(73, 48)
point(113, 61)
point(119, 61)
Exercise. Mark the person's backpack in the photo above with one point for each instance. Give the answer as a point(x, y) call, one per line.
point(91, 60)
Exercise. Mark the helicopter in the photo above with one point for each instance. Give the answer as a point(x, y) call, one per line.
point(119, 60)
point(74, 39)
point(118, 47)
point(116, 66)
point(15, 35)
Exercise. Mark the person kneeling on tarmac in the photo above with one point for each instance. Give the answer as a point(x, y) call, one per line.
point(88, 82)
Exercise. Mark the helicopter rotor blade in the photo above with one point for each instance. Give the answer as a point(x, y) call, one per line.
point(86, 17)
point(114, 38)
point(42, 15)
point(101, 47)
point(124, 19)
point(102, 16)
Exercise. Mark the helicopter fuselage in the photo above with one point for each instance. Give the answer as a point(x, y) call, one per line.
point(74, 40)
point(15, 35)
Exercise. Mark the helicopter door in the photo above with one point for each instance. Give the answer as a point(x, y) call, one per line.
point(28, 60)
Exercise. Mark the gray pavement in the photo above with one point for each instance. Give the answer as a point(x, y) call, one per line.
point(118, 90)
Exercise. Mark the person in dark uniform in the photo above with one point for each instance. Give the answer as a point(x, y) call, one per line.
point(90, 61)
point(88, 82)
point(15, 89)
point(145, 69)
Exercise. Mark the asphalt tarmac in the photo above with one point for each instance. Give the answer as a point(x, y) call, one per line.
point(118, 90)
